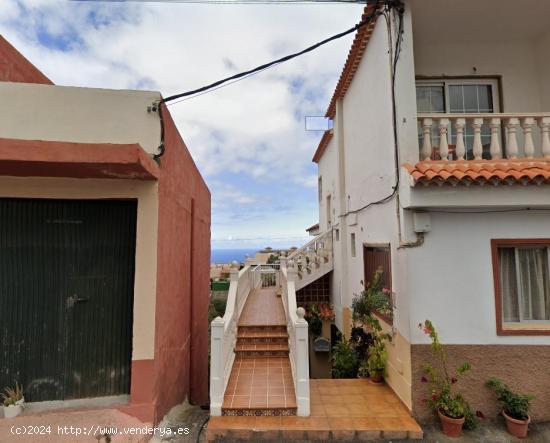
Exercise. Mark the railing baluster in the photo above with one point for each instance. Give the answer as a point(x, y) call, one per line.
point(529, 146)
point(427, 140)
point(496, 152)
point(544, 124)
point(460, 147)
point(477, 123)
point(443, 141)
point(511, 138)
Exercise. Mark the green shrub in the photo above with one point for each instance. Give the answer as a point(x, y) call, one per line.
point(514, 405)
point(345, 363)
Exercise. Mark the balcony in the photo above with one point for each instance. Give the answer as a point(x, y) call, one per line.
point(449, 137)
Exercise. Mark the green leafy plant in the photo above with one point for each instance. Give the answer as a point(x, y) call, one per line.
point(363, 369)
point(375, 298)
point(361, 341)
point(314, 320)
point(345, 363)
point(11, 396)
point(443, 393)
point(514, 405)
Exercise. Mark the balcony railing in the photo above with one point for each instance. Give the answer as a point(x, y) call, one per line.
point(480, 136)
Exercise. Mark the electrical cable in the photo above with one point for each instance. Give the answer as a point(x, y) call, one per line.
point(390, 4)
point(278, 61)
point(236, 2)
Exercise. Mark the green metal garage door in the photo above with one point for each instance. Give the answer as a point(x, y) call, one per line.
point(66, 296)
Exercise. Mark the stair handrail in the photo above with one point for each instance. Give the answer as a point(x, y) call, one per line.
point(298, 339)
point(320, 247)
point(223, 334)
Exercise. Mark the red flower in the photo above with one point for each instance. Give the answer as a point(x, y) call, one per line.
point(454, 380)
point(480, 414)
point(434, 397)
point(424, 380)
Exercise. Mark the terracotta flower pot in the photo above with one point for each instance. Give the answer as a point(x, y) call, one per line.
point(452, 427)
point(377, 378)
point(518, 428)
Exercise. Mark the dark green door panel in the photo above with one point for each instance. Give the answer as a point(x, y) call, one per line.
point(66, 296)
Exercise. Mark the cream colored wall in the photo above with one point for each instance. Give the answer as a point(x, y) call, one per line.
point(543, 65)
point(146, 236)
point(516, 62)
point(86, 115)
point(399, 367)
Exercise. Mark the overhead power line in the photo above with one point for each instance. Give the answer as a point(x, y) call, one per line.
point(236, 2)
point(376, 12)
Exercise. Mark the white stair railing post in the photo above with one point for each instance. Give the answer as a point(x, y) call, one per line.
point(217, 366)
point(512, 150)
point(477, 123)
point(443, 139)
point(460, 147)
point(544, 124)
point(302, 364)
point(529, 146)
point(496, 152)
point(426, 152)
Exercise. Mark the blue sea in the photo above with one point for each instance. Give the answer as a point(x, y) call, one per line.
point(229, 255)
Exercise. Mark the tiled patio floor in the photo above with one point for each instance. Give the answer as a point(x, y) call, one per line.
point(340, 410)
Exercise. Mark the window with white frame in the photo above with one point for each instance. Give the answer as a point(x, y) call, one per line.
point(524, 283)
point(458, 96)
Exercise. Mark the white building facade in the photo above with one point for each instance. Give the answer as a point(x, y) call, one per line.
point(451, 193)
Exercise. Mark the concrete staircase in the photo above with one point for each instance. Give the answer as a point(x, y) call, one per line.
point(313, 260)
point(262, 341)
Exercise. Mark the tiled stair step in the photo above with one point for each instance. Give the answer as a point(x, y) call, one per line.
point(261, 347)
point(261, 328)
point(259, 412)
point(263, 339)
point(262, 353)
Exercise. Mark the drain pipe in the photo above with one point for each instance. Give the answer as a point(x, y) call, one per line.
point(418, 231)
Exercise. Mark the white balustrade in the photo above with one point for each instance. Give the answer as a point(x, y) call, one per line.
point(533, 128)
point(223, 335)
point(298, 339)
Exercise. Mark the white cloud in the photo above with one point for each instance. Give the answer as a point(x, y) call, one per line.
point(254, 127)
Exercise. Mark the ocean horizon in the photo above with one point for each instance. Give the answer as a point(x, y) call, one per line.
point(220, 256)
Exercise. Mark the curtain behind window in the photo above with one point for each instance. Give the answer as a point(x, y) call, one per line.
point(508, 284)
point(535, 299)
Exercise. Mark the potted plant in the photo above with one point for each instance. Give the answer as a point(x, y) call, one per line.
point(13, 401)
point(515, 407)
point(314, 320)
point(345, 363)
point(377, 353)
point(363, 371)
point(452, 409)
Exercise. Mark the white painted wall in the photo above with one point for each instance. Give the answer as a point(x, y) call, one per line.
point(543, 65)
point(450, 278)
point(327, 170)
point(516, 62)
point(86, 115)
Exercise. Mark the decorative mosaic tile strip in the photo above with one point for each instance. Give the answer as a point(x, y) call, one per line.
point(269, 412)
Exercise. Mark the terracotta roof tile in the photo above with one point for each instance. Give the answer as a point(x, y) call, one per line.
point(327, 136)
point(354, 58)
point(480, 172)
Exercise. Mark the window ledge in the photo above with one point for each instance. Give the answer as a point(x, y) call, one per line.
point(524, 329)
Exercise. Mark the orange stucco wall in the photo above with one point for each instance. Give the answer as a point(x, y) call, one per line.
point(16, 68)
point(183, 266)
